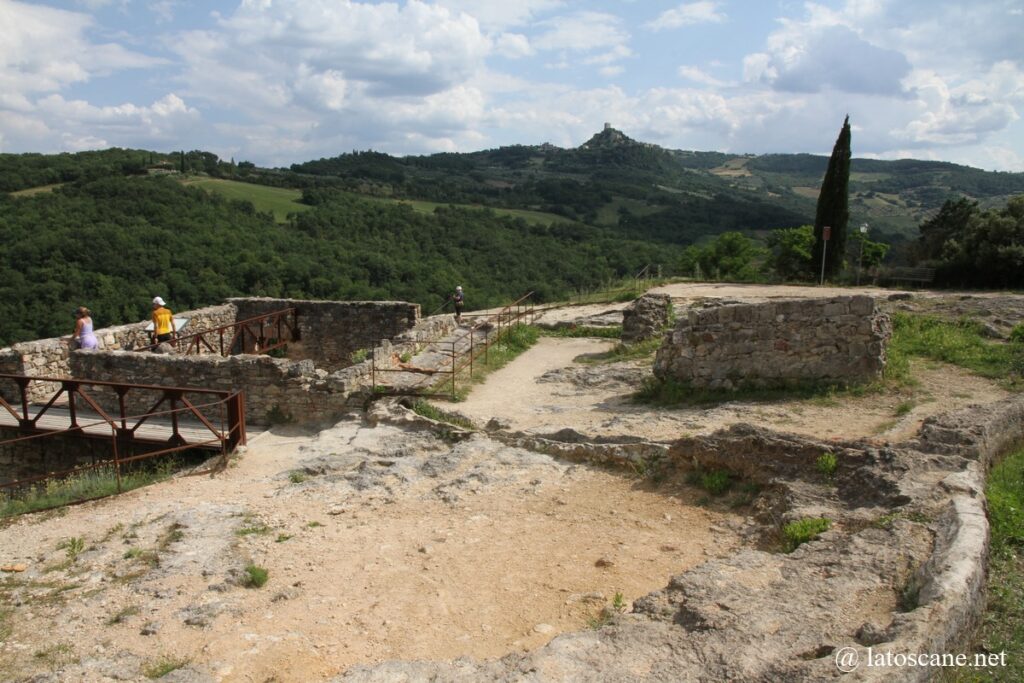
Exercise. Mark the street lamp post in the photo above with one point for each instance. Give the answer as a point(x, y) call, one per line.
point(860, 259)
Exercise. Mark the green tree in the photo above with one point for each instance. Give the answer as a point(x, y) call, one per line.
point(791, 252)
point(731, 256)
point(950, 222)
point(989, 251)
point(834, 206)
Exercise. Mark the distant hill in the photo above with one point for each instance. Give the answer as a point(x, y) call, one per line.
point(667, 195)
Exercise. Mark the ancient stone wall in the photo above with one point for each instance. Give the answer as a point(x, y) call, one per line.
point(777, 343)
point(50, 357)
point(35, 457)
point(331, 331)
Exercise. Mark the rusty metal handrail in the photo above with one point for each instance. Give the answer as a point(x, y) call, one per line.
point(505, 317)
point(276, 319)
point(233, 437)
point(230, 435)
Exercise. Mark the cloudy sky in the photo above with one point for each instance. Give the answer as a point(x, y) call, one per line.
point(280, 81)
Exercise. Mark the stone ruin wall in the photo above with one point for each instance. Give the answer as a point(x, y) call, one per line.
point(318, 385)
point(778, 343)
point(331, 331)
point(51, 357)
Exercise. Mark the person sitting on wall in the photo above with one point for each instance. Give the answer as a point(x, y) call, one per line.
point(83, 337)
point(163, 322)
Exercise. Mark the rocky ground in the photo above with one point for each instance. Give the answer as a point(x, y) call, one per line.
point(387, 539)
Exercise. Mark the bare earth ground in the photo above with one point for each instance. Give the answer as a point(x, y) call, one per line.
point(387, 543)
point(426, 550)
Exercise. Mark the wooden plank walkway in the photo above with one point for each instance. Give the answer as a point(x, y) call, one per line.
point(155, 430)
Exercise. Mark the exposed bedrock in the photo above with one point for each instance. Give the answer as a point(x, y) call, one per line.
point(902, 568)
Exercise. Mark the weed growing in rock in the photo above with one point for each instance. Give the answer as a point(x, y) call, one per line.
point(255, 576)
point(359, 356)
point(424, 408)
point(619, 603)
point(910, 594)
point(314, 524)
point(715, 482)
point(297, 476)
point(281, 538)
point(827, 464)
point(163, 666)
point(801, 531)
point(122, 615)
point(72, 546)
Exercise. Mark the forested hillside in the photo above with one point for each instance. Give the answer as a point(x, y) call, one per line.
point(110, 229)
point(114, 243)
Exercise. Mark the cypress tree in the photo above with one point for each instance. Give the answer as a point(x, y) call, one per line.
point(834, 206)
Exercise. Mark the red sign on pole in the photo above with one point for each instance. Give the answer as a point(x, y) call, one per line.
point(826, 233)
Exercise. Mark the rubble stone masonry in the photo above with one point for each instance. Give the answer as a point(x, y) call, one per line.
point(778, 343)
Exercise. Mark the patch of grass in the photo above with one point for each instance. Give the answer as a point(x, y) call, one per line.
point(55, 656)
point(624, 352)
point(255, 576)
point(670, 392)
point(1017, 334)
point(279, 201)
point(801, 531)
point(958, 343)
point(297, 476)
point(405, 357)
point(281, 538)
point(255, 529)
point(163, 666)
point(426, 409)
point(612, 332)
point(1002, 624)
point(95, 483)
point(122, 615)
point(6, 628)
point(147, 556)
point(359, 355)
point(314, 524)
point(827, 464)
point(903, 408)
point(715, 482)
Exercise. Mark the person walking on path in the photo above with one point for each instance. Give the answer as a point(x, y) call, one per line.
point(163, 321)
point(459, 299)
point(83, 334)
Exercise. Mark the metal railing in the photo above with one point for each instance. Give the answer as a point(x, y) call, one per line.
point(462, 351)
point(124, 428)
point(259, 334)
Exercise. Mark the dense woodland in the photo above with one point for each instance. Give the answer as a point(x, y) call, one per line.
point(120, 227)
point(114, 243)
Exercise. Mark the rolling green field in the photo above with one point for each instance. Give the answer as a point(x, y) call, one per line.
point(277, 200)
point(538, 217)
point(282, 201)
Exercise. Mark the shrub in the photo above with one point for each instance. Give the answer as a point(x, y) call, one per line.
point(801, 531)
point(255, 576)
point(1017, 334)
point(827, 464)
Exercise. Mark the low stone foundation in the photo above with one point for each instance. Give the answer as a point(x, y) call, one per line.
point(779, 343)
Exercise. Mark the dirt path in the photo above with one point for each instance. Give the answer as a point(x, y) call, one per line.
point(531, 394)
